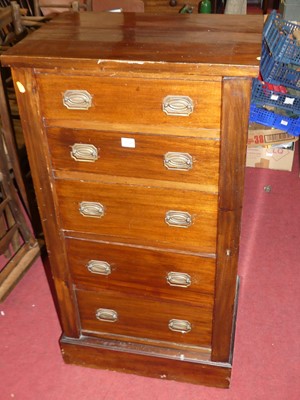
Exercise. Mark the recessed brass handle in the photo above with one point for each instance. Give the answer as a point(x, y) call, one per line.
point(180, 219)
point(106, 315)
point(84, 152)
point(91, 209)
point(99, 267)
point(180, 325)
point(178, 161)
point(181, 106)
point(179, 279)
point(77, 99)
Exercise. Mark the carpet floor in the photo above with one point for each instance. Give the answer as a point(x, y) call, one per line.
point(267, 347)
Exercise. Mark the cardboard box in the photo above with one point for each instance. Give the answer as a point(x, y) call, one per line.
point(259, 135)
point(270, 148)
point(290, 10)
point(275, 157)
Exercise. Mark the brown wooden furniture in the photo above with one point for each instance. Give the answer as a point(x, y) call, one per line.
point(124, 5)
point(18, 246)
point(50, 8)
point(12, 31)
point(168, 6)
point(137, 139)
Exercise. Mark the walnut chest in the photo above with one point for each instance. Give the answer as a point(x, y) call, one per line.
point(136, 131)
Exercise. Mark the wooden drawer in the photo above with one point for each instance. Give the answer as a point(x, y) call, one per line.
point(142, 214)
point(137, 316)
point(151, 156)
point(168, 274)
point(131, 103)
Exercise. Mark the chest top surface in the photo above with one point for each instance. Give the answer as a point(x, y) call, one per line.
point(213, 43)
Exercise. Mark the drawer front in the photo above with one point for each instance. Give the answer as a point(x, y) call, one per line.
point(125, 102)
point(136, 155)
point(167, 274)
point(122, 314)
point(164, 217)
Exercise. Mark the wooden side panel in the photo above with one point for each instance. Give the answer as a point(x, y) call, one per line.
point(39, 164)
point(236, 102)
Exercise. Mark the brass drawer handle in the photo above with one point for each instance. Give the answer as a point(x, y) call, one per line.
point(180, 325)
point(178, 161)
point(99, 267)
point(84, 152)
point(180, 219)
point(77, 99)
point(91, 209)
point(181, 106)
point(179, 279)
point(106, 315)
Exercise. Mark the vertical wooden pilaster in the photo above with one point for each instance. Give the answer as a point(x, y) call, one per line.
point(30, 113)
point(234, 130)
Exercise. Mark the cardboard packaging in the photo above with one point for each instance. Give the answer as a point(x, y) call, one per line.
point(278, 158)
point(270, 148)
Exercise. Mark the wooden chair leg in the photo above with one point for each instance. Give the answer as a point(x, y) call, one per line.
point(5, 249)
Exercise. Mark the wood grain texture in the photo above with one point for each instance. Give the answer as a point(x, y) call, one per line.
point(131, 102)
point(137, 212)
point(140, 269)
point(123, 357)
point(144, 317)
point(39, 164)
point(129, 63)
point(145, 160)
point(237, 94)
point(208, 44)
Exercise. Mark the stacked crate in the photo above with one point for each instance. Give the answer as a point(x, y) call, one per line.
point(276, 93)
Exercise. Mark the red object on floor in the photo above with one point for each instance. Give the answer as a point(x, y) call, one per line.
point(267, 347)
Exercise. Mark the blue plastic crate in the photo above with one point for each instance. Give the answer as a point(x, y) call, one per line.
point(277, 72)
point(264, 95)
point(278, 35)
point(269, 118)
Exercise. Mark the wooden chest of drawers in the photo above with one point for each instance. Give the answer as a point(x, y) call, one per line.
point(136, 131)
